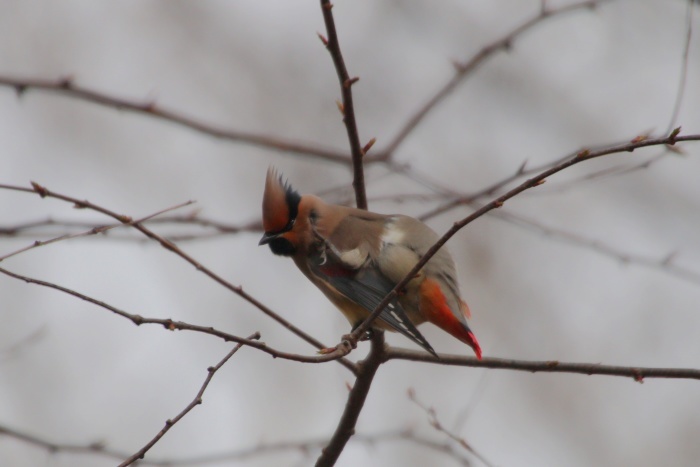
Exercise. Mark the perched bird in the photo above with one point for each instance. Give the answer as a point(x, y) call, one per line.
point(356, 258)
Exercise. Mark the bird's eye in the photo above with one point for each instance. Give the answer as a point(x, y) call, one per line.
point(313, 216)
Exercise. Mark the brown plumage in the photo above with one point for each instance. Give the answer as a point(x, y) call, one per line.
point(356, 257)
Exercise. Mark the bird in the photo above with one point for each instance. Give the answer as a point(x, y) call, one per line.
point(356, 257)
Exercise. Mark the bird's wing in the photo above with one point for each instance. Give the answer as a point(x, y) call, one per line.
point(353, 274)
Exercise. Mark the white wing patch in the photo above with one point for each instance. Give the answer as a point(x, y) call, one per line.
point(392, 234)
point(353, 258)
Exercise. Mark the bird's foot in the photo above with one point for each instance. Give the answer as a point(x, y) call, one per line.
point(347, 341)
point(367, 335)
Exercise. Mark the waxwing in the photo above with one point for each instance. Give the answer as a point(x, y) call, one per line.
point(356, 257)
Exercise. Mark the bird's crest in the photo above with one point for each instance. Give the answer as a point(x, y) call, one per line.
point(280, 203)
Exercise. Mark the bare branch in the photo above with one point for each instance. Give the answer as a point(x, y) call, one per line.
point(211, 371)
point(356, 400)
point(67, 87)
point(684, 67)
point(550, 366)
point(435, 423)
point(171, 325)
point(93, 231)
point(664, 264)
point(92, 448)
point(169, 245)
point(577, 158)
point(217, 228)
point(348, 107)
point(99, 449)
point(464, 69)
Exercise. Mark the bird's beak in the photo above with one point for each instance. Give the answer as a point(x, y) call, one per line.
point(267, 238)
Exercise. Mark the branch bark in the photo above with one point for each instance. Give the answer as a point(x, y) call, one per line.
point(356, 400)
point(348, 107)
point(548, 366)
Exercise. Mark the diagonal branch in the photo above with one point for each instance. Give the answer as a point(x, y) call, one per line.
point(435, 423)
point(665, 264)
point(537, 180)
point(167, 244)
point(171, 325)
point(67, 87)
point(464, 69)
point(93, 231)
point(195, 402)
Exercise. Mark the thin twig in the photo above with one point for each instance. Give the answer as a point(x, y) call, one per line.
point(27, 229)
point(665, 264)
point(171, 325)
point(93, 231)
point(348, 108)
point(435, 423)
point(304, 446)
point(549, 366)
point(464, 69)
point(211, 371)
point(684, 68)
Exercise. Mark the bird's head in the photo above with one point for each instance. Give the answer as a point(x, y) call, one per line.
point(280, 212)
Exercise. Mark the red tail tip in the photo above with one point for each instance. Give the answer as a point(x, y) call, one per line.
point(475, 345)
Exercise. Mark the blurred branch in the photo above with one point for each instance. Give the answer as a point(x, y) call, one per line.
point(304, 446)
point(435, 423)
point(348, 107)
point(664, 264)
point(464, 69)
point(66, 86)
point(581, 156)
point(16, 348)
point(169, 245)
point(93, 231)
point(50, 225)
point(550, 366)
point(367, 369)
point(95, 448)
point(684, 68)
